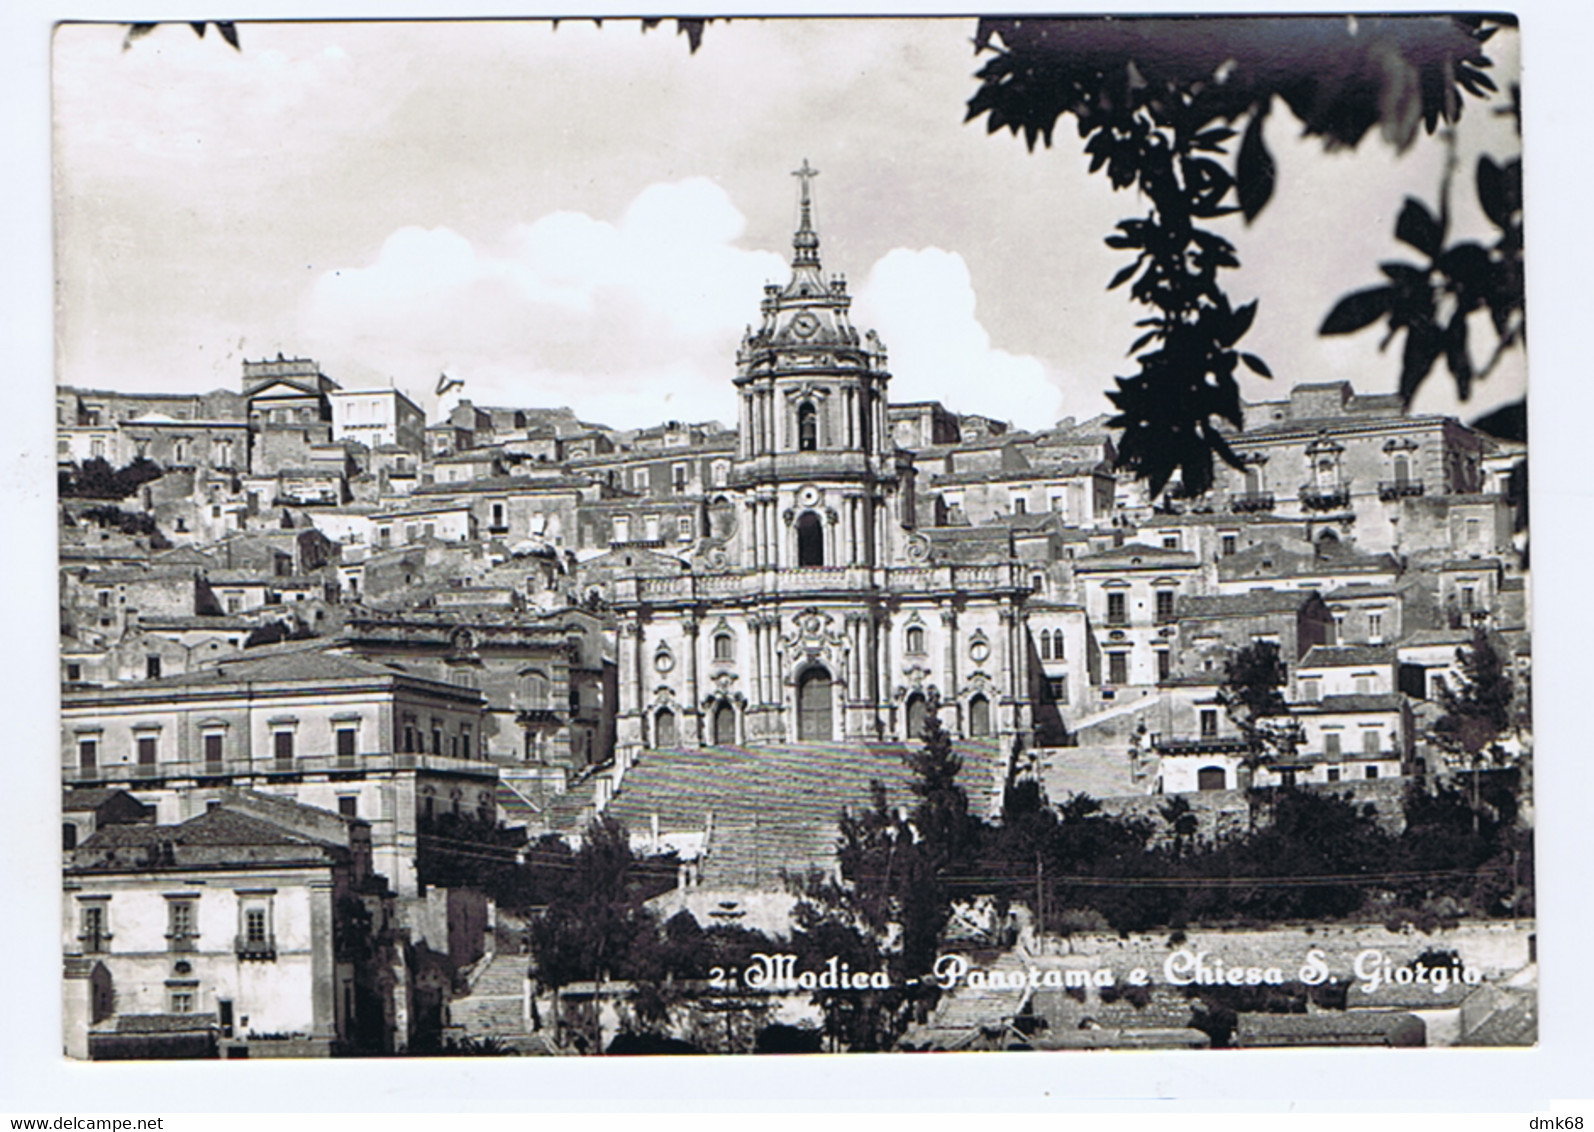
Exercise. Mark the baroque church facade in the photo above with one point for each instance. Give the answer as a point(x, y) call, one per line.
point(819, 615)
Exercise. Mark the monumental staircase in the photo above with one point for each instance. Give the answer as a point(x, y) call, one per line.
point(776, 809)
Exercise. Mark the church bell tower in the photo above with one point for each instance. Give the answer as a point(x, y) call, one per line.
point(816, 464)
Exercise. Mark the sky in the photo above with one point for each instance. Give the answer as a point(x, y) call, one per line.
point(585, 216)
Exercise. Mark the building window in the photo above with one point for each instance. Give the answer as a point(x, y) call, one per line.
point(1037, 583)
point(1118, 668)
point(678, 478)
point(1230, 544)
point(346, 740)
point(182, 923)
point(1057, 688)
point(74, 672)
point(1311, 691)
point(1331, 744)
point(1020, 505)
point(535, 690)
point(88, 755)
point(1372, 743)
point(1057, 645)
point(1164, 664)
point(349, 805)
point(1170, 542)
point(1117, 608)
point(1375, 628)
point(147, 749)
point(1209, 723)
point(1372, 772)
point(683, 526)
point(915, 641)
point(212, 742)
point(105, 599)
point(464, 739)
point(1333, 774)
point(1364, 684)
point(724, 646)
point(810, 541)
point(807, 427)
point(180, 999)
point(255, 939)
point(1165, 606)
point(437, 737)
point(1469, 597)
point(1046, 644)
point(94, 926)
point(282, 746)
point(721, 473)
point(639, 479)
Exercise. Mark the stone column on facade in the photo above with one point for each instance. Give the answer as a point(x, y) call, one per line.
point(833, 556)
point(756, 687)
point(883, 669)
point(1004, 653)
point(693, 716)
point(949, 622)
point(323, 963)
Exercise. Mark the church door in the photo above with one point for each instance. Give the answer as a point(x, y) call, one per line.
point(813, 706)
point(664, 729)
point(724, 724)
point(979, 716)
point(915, 716)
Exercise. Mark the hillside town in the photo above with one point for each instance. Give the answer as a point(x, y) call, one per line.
point(333, 660)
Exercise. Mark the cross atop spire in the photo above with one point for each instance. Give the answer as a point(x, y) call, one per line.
point(806, 241)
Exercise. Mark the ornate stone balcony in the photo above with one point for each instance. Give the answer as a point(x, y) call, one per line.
point(1335, 498)
point(1251, 501)
point(1398, 489)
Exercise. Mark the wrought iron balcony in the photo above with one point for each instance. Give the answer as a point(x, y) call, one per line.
point(256, 948)
point(1251, 501)
point(1334, 498)
point(1397, 489)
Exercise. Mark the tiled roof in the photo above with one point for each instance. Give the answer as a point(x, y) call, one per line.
point(1337, 656)
point(1367, 701)
point(1120, 557)
point(1232, 605)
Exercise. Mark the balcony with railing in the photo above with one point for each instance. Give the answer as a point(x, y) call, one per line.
point(271, 767)
point(255, 947)
point(1249, 501)
point(1334, 497)
point(1389, 490)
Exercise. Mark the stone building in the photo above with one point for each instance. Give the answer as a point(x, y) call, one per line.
point(824, 616)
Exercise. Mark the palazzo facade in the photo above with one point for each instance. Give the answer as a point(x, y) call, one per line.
point(821, 615)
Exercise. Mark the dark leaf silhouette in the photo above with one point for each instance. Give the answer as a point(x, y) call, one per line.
point(1419, 228)
point(1359, 309)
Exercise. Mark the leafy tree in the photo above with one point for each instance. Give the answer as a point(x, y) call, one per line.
point(96, 479)
point(1251, 694)
point(592, 923)
point(1157, 103)
point(1478, 708)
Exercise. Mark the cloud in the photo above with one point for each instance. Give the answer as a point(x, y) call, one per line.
point(923, 304)
point(628, 322)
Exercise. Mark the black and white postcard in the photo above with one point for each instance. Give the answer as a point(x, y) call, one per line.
point(784, 535)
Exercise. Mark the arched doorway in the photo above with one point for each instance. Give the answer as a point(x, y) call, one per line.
point(724, 724)
point(810, 540)
point(979, 716)
point(1212, 778)
point(916, 716)
point(664, 733)
point(813, 706)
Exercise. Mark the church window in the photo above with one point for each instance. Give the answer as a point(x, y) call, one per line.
point(807, 427)
point(810, 541)
point(724, 646)
point(915, 640)
point(1046, 644)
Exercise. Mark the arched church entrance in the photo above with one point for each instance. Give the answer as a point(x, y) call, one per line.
point(810, 540)
point(813, 706)
point(664, 732)
point(916, 715)
point(724, 724)
point(979, 716)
